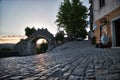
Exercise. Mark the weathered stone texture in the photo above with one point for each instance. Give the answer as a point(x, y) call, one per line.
point(28, 46)
point(80, 61)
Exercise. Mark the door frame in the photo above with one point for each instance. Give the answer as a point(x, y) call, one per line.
point(113, 32)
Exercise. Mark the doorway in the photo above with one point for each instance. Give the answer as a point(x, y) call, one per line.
point(117, 31)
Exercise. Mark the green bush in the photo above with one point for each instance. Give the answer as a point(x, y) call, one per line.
point(5, 49)
point(29, 31)
point(38, 50)
point(59, 37)
point(43, 48)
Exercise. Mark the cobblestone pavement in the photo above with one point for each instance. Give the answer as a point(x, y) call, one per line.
point(76, 60)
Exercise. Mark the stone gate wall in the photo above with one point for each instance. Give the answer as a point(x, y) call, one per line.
point(28, 46)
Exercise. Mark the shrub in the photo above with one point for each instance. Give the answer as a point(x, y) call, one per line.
point(5, 49)
point(43, 48)
point(59, 37)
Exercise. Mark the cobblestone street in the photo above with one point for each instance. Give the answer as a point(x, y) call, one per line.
point(76, 60)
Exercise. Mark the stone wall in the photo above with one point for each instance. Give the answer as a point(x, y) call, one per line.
point(113, 14)
point(110, 5)
point(21, 47)
point(28, 46)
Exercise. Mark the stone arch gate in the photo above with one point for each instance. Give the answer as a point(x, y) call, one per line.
point(28, 46)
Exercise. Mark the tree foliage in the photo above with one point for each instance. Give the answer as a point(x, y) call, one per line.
point(72, 17)
point(59, 36)
point(29, 31)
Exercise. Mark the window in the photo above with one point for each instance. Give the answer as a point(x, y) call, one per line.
point(101, 3)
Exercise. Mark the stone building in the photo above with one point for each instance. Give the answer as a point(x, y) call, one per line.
point(105, 19)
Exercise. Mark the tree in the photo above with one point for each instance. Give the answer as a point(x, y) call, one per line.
point(29, 31)
point(82, 33)
point(59, 36)
point(72, 17)
point(63, 14)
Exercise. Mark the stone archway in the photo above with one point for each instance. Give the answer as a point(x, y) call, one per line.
point(28, 46)
point(41, 45)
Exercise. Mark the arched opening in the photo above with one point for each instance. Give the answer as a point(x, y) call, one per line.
point(41, 45)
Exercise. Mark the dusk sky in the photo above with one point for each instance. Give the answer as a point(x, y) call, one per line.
point(15, 15)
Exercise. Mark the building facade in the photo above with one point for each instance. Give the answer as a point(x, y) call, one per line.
point(106, 20)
